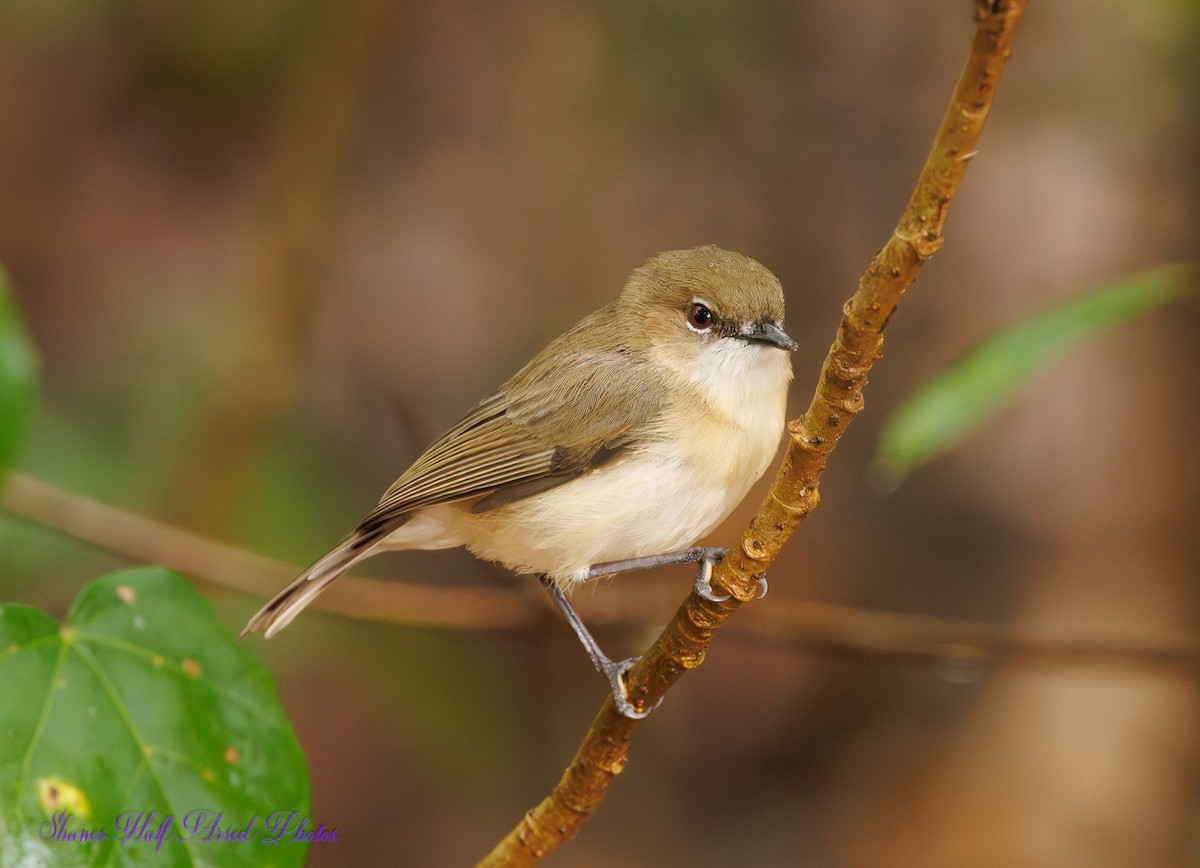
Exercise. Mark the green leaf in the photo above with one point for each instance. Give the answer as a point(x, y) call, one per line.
point(140, 708)
point(18, 376)
point(942, 411)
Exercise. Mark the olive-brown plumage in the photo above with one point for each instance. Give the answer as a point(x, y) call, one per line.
point(635, 432)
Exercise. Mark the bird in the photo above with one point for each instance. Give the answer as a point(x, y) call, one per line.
point(621, 444)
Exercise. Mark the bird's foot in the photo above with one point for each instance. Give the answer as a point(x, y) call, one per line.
point(615, 673)
point(702, 584)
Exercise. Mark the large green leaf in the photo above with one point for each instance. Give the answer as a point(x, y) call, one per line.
point(18, 376)
point(141, 713)
point(943, 410)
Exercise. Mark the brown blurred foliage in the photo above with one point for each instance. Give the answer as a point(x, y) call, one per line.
point(268, 249)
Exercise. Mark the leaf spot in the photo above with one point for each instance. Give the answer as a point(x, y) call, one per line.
point(58, 795)
point(127, 594)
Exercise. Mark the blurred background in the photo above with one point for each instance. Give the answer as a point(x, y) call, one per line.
point(268, 250)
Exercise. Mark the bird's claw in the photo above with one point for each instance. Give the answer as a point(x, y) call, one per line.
point(615, 673)
point(703, 581)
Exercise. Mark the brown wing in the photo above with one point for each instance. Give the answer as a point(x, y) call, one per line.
point(478, 455)
point(563, 416)
point(503, 451)
point(566, 413)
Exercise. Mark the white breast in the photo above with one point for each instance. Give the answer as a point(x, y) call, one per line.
point(667, 494)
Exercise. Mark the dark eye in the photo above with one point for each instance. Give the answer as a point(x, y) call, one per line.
point(700, 317)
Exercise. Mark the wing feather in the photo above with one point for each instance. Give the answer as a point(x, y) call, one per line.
point(563, 415)
point(570, 411)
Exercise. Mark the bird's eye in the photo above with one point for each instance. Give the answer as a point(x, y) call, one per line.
point(700, 317)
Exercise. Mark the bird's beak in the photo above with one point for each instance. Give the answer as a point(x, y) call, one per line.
point(769, 333)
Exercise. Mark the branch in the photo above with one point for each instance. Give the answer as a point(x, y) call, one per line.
point(793, 495)
point(230, 567)
point(804, 625)
point(967, 644)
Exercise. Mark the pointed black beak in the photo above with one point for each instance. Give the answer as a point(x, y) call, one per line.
point(769, 333)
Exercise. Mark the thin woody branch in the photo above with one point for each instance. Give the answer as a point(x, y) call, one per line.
point(801, 624)
point(794, 494)
point(962, 645)
point(805, 625)
point(227, 566)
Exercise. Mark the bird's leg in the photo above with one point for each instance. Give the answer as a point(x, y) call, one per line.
point(696, 554)
point(614, 672)
point(702, 585)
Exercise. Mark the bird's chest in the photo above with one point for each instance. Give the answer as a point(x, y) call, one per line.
point(692, 465)
point(734, 415)
point(725, 452)
point(710, 448)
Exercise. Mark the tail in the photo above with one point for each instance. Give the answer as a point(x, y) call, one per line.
point(289, 602)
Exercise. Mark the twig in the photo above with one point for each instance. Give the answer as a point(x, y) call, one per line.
point(230, 567)
point(805, 625)
point(793, 495)
point(963, 646)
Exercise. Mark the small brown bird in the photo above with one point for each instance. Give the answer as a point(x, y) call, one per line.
point(618, 446)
